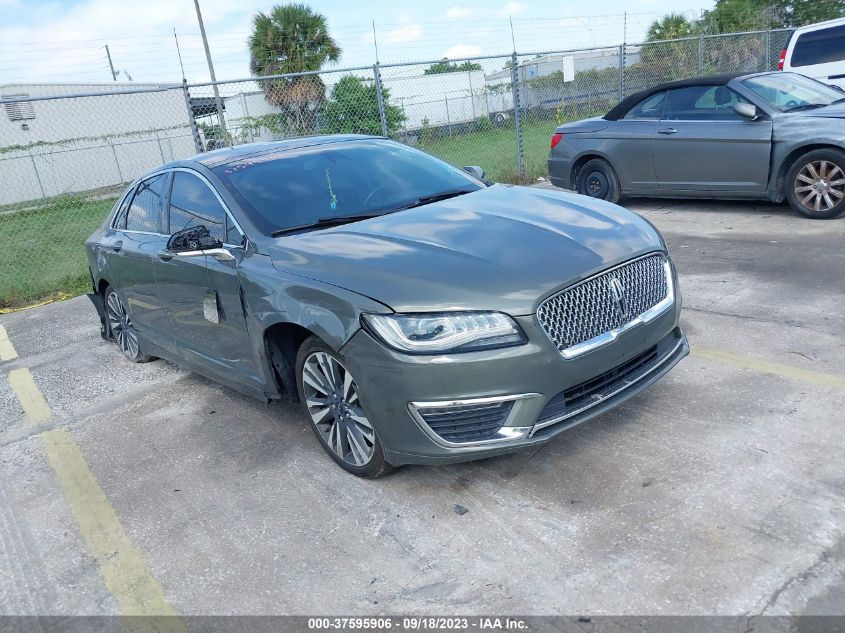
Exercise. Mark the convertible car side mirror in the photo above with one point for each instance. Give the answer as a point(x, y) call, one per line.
point(746, 110)
point(475, 170)
point(196, 238)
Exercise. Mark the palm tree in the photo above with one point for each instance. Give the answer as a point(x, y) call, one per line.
point(670, 27)
point(292, 38)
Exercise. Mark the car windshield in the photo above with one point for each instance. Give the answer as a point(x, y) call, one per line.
point(334, 183)
point(790, 92)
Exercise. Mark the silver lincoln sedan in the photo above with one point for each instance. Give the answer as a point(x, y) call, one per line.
point(764, 136)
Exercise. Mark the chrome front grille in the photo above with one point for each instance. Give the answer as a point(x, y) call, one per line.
point(594, 311)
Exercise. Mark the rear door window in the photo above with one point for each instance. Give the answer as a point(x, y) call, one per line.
point(649, 108)
point(146, 210)
point(819, 47)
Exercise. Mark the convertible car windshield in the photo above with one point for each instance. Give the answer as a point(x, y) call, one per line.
point(788, 91)
point(328, 184)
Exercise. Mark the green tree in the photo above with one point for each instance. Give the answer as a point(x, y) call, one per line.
point(445, 66)
point(292, 38)
point(352, 108)
point(671, 26)
point(794, 13)
point(731, 16)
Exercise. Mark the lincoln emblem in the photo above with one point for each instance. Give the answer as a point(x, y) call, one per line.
point(617, 290)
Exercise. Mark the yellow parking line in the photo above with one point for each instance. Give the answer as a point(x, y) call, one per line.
point(122, 566)
point(7, 350)
point(823, 379)
point(34, 405)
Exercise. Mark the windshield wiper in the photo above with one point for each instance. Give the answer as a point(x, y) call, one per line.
point(806, 106)
point(443, 195)
point(322, 223)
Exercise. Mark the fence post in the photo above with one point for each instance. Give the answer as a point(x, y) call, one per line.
point(701, 53)
point(517, 117)
point(194, 130)
point(380, 99)
point(768, 45)
point(621, 71)
point(117, 164)
point(37, 175)
point(448, 118)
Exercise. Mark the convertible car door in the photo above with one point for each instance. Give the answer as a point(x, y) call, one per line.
point(131, 248)
point(629, 143)
point(703, 145)
point(202, 294)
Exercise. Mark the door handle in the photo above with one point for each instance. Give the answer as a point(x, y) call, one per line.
point(668, 131)
point(116, 246)
point(165, 256)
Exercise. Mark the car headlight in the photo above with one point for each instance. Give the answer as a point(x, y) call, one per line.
point(444, 332)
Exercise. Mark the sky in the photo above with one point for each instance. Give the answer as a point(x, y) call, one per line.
point(44, 41)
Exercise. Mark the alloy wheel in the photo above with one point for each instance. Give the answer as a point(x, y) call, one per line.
point(121, 326)
point(820, 185)
point(332, 401)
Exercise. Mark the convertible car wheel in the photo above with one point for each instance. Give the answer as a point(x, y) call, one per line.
point(332, 401)
point(120, 326)
point(815, 184)
point(597, 179)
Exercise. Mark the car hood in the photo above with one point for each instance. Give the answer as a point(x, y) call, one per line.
point(500, 248)
point(833, 111)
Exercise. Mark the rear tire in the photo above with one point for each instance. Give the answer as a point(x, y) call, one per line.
point(597, 179)
point(120, 329)
point(333, 405)
point(815, 184)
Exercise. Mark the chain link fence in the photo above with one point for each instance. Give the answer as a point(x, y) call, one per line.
point(67, 151)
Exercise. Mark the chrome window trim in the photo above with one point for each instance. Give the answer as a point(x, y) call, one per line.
point(170, 170)
point(608, 337)
point(505, 434)
point(590, 405)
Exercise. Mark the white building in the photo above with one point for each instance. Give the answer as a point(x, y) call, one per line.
point(50, 147)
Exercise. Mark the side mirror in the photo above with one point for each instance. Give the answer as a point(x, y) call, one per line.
point(746, 110)
point(475, 170)
point(196, 238)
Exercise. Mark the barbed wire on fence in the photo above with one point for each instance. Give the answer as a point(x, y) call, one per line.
point(66, 157)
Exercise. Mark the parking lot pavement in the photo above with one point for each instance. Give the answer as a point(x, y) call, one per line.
point(144, 488)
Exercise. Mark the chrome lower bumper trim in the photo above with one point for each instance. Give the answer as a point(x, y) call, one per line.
point(607, 396)
point(505, 434)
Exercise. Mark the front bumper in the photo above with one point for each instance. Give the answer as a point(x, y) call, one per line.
point(535, 372)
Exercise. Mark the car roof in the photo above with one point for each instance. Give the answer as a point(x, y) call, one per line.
point(226, 155)
point(621, 108)
point(819, 25)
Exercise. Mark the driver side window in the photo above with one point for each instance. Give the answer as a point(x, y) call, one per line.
point(702, 103)
point(192, 204)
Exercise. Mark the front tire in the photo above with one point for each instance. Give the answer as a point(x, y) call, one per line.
point(332, 402)
point(120, 327)
point(815, 184)
point(597, 179)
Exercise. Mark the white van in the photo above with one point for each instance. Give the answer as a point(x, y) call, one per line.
point(817, 51)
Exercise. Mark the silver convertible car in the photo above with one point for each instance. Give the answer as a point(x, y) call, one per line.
point(765, 136)
point(417, 312)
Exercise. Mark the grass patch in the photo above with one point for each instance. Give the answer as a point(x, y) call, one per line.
point(495, 150)
point(44, 249)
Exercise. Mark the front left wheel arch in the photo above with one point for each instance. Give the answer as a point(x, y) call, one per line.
point(282, 341)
